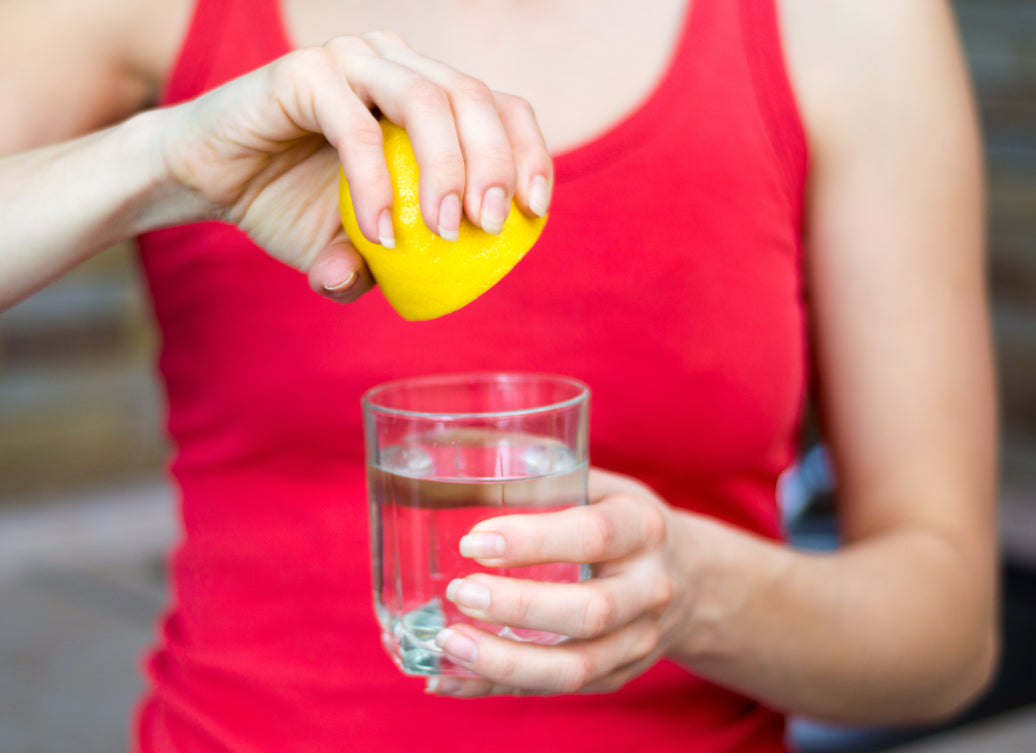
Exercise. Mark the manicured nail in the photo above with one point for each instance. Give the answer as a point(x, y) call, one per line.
point(539, 195)
point(482, 545)
point(385, 235)
point(466, 594)
point(449, 218)
point(346, 282)
point(494, 210)
point(459, 646)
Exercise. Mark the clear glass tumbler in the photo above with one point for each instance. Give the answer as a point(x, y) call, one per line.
point(443, 453)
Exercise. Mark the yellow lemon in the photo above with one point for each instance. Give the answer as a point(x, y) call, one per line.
point(424, 276)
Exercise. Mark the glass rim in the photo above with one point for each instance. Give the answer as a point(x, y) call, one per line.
point(368, 405)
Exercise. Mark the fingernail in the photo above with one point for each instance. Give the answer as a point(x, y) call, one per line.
point(466, 594)
point(449, 218)
point(385, 235)
point(443, 685)
point(482, 545)
point(459, 646)
point(494, 210)
point(346, 282)
point(539, 195)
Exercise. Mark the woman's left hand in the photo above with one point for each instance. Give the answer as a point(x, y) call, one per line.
point(619, 622)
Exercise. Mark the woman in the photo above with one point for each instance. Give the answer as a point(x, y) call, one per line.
point(744, 193)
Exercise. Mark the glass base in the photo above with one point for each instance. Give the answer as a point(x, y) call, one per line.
point(411, 641)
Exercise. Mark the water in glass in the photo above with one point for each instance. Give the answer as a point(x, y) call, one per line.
point(425, 494)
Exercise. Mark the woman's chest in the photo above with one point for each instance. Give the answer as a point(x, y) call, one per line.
point(582, 65)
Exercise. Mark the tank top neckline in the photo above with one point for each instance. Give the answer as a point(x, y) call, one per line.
point(617, 135)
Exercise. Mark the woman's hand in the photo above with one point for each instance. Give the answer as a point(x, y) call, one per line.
point(620, 622)
point(263, 152)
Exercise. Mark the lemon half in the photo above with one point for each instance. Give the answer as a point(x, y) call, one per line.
point(424, 276)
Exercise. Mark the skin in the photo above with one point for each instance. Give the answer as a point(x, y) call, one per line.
point(899, 625)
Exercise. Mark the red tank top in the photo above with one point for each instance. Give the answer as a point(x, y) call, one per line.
point(668, 279)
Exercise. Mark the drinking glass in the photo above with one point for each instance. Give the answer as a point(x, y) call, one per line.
point(443, 453)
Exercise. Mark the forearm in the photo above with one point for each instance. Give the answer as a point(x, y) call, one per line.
point(60, 204)
point(897, 628)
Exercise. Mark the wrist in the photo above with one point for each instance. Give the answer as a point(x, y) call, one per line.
point(62, 203)
point(157, 198)
point(731, 572)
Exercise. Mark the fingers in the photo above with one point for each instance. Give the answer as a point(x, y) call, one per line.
point(478, 687)
point(339, 273)
point(423, 108)
point(613, 621)
point(568, 667)
point(611, 529)
point(583, 610)
point(616, 623)
point(310, 88)
point(488, 157)
point(476, 150)
point(533, 166)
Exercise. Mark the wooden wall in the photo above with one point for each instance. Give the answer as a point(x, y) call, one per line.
point(79, 404)
point(1000, 37)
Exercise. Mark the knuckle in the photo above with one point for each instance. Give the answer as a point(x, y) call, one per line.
point(506, 670)
point(303, 63)
point(466, 87)
point(521, 610)
point(348, 46)
point(500, 159)
point(647, 643)
point(449, 163)
point(654, 524)
point(514, 104)
point(601, 612)
point(494, 166)
point(663, 591)
point(368, 183)
point(384, 37)
point(366, 134)
point(575, 674)
point(599, 533)
point(427, 95)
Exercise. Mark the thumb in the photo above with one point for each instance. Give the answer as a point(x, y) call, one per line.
point(339, 272)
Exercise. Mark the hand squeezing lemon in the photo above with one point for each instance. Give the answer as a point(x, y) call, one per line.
point(424, 276)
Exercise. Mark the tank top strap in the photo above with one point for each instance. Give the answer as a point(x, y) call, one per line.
point(225, 39)
point(764, 52)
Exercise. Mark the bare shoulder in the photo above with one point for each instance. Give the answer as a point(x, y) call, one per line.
point(895, 239)
point(67, 66)
point(858, 63)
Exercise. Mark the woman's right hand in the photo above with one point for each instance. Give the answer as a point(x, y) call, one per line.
point(263, 152)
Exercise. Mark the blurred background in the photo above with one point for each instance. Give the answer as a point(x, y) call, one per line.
point(85, 515)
